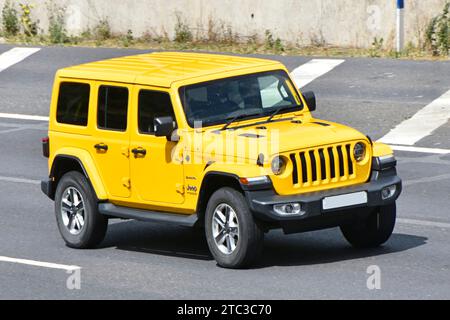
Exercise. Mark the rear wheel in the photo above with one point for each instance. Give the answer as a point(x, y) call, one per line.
point(79, 222)
point(234, 238)
point(374, 231)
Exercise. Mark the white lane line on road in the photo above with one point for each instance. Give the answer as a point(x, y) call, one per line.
point(426, 180)
point(422, 124)
point(39, 263)
point(313, 69)
point(15, 55)
point(19, 180)
point(420, 149)
point(424, 223)
point(22, 117)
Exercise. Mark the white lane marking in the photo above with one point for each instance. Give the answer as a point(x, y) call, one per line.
point(426, 180)
point(422, 124)
point(39, 263)
point(424, 223)
point(420, 149)
point(313, 69)
point(19, 180)
point(15, 55)
point(12, 130)
point(22, 116)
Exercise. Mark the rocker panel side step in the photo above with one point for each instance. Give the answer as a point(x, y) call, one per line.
point(110, 209)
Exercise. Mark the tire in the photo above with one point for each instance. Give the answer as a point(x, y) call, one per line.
point(374, 231)
point(89, 230)
point(240, 229)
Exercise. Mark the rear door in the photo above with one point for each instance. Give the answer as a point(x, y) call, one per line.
point(111, 138)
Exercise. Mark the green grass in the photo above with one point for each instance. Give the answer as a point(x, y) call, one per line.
point(250, 47)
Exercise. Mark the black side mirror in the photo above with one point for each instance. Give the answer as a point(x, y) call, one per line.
point(310, 99)
point(163, 126)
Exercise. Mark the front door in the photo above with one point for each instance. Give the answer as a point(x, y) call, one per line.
point(110, 141)
point(156, 171)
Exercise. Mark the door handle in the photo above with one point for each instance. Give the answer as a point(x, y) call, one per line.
point(101, 147)
point(139, 152)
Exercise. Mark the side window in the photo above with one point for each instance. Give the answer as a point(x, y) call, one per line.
point(112, 108)
point(73, 103)
point(152, 104)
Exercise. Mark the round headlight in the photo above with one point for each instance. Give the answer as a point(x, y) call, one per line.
point(278, 165)
point(359, 151)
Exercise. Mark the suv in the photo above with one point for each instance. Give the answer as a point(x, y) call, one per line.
point(222, 142)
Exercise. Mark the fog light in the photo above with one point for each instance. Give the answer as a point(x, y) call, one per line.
point(388, 192)
point(288, 209)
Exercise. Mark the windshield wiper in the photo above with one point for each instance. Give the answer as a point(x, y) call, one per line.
point(277, 111)
point(246, 115)
point(274, 114)
point(238, 117)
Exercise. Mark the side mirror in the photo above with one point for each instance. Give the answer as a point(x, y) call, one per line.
point(163, 126)
point(310, 99)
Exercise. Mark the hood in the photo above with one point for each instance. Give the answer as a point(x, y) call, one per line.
point(275, 137)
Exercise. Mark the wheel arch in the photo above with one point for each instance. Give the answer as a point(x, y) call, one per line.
point(213, 181)
point(64, 163)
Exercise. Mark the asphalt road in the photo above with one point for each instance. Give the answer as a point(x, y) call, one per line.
point(151, 261)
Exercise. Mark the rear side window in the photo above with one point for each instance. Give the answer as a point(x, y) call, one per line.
point(112, 108)
point(153, 104)
point(73, 103)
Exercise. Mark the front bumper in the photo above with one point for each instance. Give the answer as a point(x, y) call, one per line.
point(313, 215)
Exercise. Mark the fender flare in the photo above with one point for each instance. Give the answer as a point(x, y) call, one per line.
point(86, 163)
point(205, 193)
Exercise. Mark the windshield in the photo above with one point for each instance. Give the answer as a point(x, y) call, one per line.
point(248, 96)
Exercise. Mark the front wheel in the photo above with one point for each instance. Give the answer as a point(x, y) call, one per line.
point(234, 238)
point(374, 231)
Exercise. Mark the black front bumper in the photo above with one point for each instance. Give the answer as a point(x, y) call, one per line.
point(314, 216)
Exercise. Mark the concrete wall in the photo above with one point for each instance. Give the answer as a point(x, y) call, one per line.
point(334, 22)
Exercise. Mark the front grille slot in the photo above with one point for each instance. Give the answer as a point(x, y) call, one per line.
point(313, 165)
point(332, 164)
point(322, 165)
point(349, 159)
point(323, 168)
point(304, 168)
point(341, 161)
point(294, 168)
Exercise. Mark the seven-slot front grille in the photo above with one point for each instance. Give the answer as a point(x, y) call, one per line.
point(322, 165)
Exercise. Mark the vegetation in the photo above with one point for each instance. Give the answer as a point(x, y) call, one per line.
point(56, 19)
point(29, 26)
point(271, 44)
point(19, 27)
point(127, 39)
point(10, 21)
point(102, 31)
point(182, 32)
point(438, 33)
point(377, 48)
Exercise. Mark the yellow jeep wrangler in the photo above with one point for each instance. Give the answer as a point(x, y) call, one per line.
point(222, 142)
